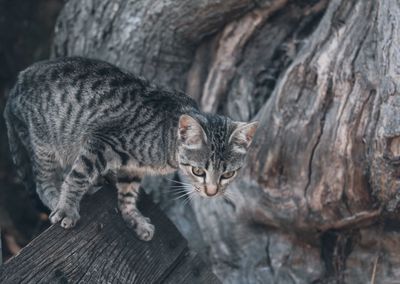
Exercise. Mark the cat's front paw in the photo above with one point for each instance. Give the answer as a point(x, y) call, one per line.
point(145, 229)
point(67, 216)
point(142, 226)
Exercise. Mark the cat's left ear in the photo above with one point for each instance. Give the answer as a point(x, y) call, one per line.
point(190, 133)
point(243, 135)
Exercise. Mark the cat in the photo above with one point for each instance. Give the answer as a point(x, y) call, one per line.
point(72, 121)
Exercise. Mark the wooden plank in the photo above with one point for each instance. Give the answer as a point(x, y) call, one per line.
point(191, 269)
point(100, 249)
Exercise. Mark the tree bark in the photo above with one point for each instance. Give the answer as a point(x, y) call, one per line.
point(319, 200)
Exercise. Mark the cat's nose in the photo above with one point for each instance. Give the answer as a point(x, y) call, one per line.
point(211, 190)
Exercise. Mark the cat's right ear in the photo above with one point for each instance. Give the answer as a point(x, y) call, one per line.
point(242, 136)
point(190, 132)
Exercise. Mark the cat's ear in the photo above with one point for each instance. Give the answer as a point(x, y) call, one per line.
point(243, 135)
point(190, 132)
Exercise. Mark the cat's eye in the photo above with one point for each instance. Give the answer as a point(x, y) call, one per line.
point(198, 171)
point(228, 174)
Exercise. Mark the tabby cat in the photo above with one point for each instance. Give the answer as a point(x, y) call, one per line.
point(73, 121)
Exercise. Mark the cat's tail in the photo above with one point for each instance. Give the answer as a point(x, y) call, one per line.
point(19, 154)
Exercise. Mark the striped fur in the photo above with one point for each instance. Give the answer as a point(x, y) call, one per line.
point(73, 121)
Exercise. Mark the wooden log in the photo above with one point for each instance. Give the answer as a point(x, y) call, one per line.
point(102, 249)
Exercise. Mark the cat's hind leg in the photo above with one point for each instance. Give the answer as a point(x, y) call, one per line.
point(128, 191)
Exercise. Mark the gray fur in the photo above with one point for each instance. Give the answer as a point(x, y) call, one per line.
point(74, 121)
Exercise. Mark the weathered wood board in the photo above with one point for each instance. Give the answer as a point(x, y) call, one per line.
point(102, 249)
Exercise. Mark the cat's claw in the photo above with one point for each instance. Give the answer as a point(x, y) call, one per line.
point(68, 217)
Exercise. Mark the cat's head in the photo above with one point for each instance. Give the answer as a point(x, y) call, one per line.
point(211, 150)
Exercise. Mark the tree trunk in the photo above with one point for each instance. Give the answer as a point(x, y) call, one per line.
point(319, 200)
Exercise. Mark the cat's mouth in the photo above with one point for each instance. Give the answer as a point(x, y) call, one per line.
point(203, 193)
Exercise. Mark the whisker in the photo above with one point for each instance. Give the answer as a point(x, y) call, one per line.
point(185, 194)
point(186, 201)
point(177, 198)
point(179, 182)
point(193, 194)
point(178, 187)
point(181, 192)
point(177, 193)
point(191, 198)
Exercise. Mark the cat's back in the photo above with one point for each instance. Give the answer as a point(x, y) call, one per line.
point(82, 81)
point(63, 96)
point(93, 87)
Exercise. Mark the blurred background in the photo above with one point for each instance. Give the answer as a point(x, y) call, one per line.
point(319, 200)
point(26, 32)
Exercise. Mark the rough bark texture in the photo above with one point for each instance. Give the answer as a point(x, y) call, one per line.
point(320, 198)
